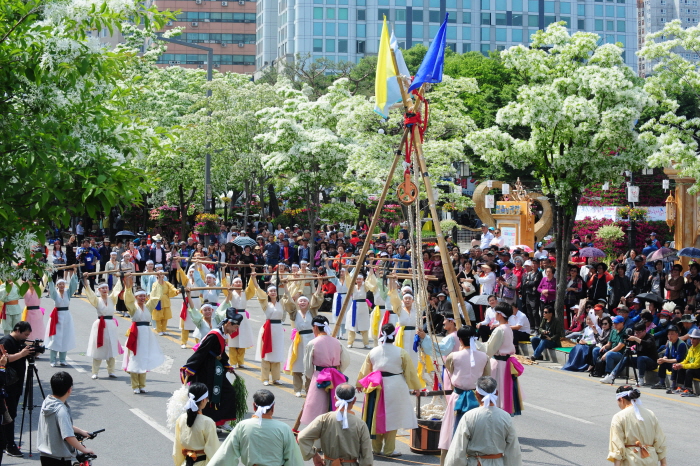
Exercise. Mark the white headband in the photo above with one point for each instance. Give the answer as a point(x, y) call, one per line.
point(341, 413)
point(488, 397)
point(302, 297)
point(113, 253)
point(384, 336)
point(62, 281)
point(237, 279)
point(324, 326)
point(140, 292)
point(211, 275)
point(192, 404)
point(206, 305)
point(502, 313)
point(159, 266)
point(271, 287)
point(101, 285)
point(636, 403)
point(262, 410)
point(147, 262)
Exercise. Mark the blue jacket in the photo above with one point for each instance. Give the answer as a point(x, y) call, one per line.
point(90, 258)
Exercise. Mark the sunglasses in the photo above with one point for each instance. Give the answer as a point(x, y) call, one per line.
point(605, 323)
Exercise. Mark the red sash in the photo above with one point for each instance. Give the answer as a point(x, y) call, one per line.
point(222, 342)
point(266, 346)
point(3, 313)
point(53, 321)
point(385, 320)
point(133, 337)
point(183, 311)
point(101, 332)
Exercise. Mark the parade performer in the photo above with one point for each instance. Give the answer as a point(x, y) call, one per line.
point(196, 440)
point(147, 281)
point(243, 339)
point(260, 440)
point(142, 351)
point(504, 365)
point(325, 360)
point(209, 365)
point(636, 438)
point(162, 291)
point(103, 343)
point(449, 344)
point(270, 345)
point(211, 281)
point(485, 436)
point(33, 312)
point(462, 369)
point(60, 333)
point(357, 318)
point(386, 376)
point(343, 437)
point(125, 266)
point(407, 330)
point(11, 312)
point(302, 312)
point(340, 291)
point(204, 319)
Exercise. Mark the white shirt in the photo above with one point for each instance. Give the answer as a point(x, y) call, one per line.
point(489, 316)
point(79, 229)
point(500, 242)
point(485, 240)
point(520, 319)
point(541, 255)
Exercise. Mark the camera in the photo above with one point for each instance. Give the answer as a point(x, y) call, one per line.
point(627, 333)
point(36, 345)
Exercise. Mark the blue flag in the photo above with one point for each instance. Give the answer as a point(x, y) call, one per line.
point(430, 70)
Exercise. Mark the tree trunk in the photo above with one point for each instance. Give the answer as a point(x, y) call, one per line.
point(183, 213)
point(563, 228)
point(246, 210)
point(274, 205)
point(145, 212)
point(262, 198)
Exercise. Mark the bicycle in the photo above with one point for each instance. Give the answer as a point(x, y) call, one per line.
point(85, 459)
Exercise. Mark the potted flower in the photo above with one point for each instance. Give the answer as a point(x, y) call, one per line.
point(206, 224)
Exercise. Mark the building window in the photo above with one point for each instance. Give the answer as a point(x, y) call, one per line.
point(549, 7)
point(330, 45)
point(400, 30)
point(598, 24)
point(330, 13)
point(486, 18)
point(620, 26)
point(485, 34)
point(566, 19)
point(381, 13)
point(581, 24)
point(517, 19)
point(485, 49)
point(485, 4)
point(517, 35)
point(318, 29)
point(361, 15)
point(500, 19)
point(501, 5)
point(361, 30)
point(434, 16)
point(549, 20)
point(318, 45)
point(501, 35)
point(451, 32)
point(598, 10)
point(400, 15)
point(565, 8)
point(581, 10)
point(466, 48)
point(533, 20)
point(330, 29)
point(418, 16)
point(533, 6)
point(466, 33)
point(517, 5)
point(452, 46)
point(610, 25)
point(318, 13)
point(360, 46)
point(467, 17)
point(342, 46)
point(343, 29)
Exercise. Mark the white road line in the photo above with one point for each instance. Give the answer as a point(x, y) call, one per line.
point(152, 422)
point(75, 366)
point(557, 413)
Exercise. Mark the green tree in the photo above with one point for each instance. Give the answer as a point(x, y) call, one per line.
point(66, 140)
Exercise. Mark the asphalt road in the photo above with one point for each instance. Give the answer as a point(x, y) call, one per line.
point(566, 419)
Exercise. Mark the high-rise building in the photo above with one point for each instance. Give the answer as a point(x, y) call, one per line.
point(227, 26)
point(653, 16)
point(350, 29)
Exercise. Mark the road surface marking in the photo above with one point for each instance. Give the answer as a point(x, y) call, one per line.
point(75, 366)
point(152, 422)
point(557, 413)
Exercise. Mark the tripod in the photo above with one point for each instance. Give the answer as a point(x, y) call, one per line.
point(627, 357)
point(28, 399)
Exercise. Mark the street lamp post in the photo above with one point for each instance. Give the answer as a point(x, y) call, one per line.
point(630, 226)
point(210, 72)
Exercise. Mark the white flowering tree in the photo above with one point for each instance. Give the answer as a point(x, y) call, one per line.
point(675, 131)
point(302, 145)
point(66, 140)
point(580, 103)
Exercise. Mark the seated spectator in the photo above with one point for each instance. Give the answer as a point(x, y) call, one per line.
point(691, 365)
point(661, 330)
point(676, 350)
point(521, 327)
point(644, 355)
point(549, 335)
point(689, 324)
point(580, 356)
point(611, 352)
point(576, 328)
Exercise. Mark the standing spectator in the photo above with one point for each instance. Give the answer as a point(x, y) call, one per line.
point(497, 239)
point(272, 251)
point(104, 251)
point(674, 286)
point(80, 231)
point(531, 280)
point(649, 247)
point(88, 256)
point(620, 284)
point(574, 289)
point(598, 283)
point(640, 276)
point(486, 237)
point(402, 255)
point(58, 258)
point(507, 284)
point(303, 251)
point(676, 351)
point(629, 262)
point(658, 279)
point(691, 364)
point(158, 254)
point(71, 248)
point(654, 241)
point(548, 286)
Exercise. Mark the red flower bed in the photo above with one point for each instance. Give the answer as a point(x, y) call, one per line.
point(589, 226)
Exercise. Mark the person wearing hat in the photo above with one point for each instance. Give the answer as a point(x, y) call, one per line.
point(143, 354)
point(209, 364)
point(103, 343)
point(485, 435)
point(157, 254)
point(486, 236)
point(689, 323)
point(611, 352)
point(675, 352)
point(636, 437)
point(645, 355)
point(691, 364)
point(104, 251)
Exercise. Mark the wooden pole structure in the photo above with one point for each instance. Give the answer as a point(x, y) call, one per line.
point(373, 224)
point(65, 267)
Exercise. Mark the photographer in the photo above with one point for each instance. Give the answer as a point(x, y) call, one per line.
point(642, 351)
point(17, 353)
point(57, 434)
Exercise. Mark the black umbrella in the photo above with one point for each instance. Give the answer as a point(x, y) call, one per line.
point(653, 297)
point(125, 234)
point(552, 246)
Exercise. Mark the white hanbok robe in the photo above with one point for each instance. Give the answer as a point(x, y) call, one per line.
point(359, 298)
point(111, 346)
point(64, 339)
point(148, 353)
point(272, 312)
point(340, 291)
point(245, 338)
